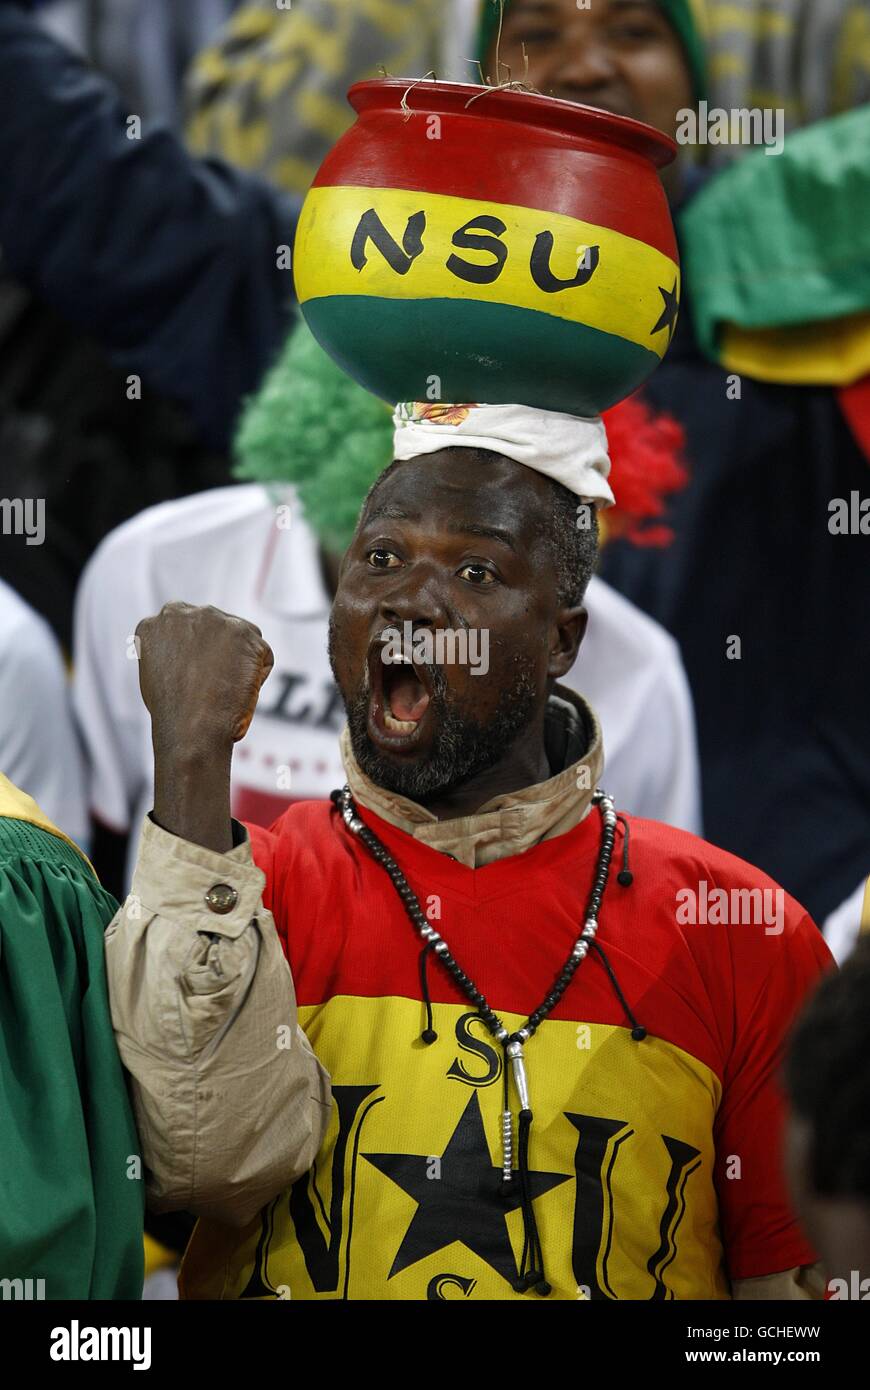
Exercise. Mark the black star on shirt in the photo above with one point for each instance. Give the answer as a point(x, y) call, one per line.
point(465, 1203)
point(668, 318)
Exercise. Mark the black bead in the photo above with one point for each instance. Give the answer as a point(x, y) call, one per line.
point(416, 916)
point(429, 1035)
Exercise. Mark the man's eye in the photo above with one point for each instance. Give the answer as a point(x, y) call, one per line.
point(637, 32)
point(383, 559)
point(477, 574)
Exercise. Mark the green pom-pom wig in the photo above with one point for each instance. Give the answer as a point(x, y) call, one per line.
point(312, 426)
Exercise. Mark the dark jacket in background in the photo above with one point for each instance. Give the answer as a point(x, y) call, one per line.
point(783, 732)
point(170, 262)
point(167, 262)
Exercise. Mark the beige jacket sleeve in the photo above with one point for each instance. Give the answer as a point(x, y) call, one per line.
point(230, 1101)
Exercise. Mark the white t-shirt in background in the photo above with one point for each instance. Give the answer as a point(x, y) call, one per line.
point(231, 547)
point(39, 747)
point(843, 927)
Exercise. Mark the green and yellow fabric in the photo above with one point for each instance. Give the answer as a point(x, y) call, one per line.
point(776, 254)
point(71, 1194)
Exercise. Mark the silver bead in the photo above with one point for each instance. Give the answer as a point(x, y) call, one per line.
point(441, 947)
point(356, 825)
point(523, 1034)
point(501, 1034)
point(507, 1146)
point(514, 1051)
point(580, 950)
point(428, 933)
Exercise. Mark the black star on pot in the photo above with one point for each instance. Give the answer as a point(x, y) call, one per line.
point(668, 318)
point(464, 1203)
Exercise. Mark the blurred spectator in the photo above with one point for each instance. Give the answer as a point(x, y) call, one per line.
point(176, 265)
point(809, 58)
point(39, 749)
point(266, 96)
point(70, 1170)
point(145, 49)
point(75, 435)
point(270, 94)
point(828, 1144)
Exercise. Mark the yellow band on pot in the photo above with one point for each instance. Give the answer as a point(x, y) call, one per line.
point(398, 244)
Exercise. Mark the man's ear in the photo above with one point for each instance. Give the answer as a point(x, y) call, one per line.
point(568, 632)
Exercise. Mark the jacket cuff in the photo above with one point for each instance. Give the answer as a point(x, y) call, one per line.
point(197, 887)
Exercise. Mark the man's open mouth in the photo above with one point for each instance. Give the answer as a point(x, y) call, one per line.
point(401, 694)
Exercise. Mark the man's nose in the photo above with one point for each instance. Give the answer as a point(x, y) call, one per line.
point(414, 602)
point(584, 62)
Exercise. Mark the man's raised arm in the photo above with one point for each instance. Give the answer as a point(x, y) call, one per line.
point(171, 262)
point(230, 1100)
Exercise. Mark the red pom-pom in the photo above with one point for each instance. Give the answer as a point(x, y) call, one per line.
point(646, 467)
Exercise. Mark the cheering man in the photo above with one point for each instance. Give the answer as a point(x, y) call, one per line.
point(552, 1033)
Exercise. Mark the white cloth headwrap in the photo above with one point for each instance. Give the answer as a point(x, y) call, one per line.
point(567, 448)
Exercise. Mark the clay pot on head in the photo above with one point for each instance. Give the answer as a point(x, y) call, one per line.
point(462, 243)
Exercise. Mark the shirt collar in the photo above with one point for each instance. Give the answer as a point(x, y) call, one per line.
point(515, 821)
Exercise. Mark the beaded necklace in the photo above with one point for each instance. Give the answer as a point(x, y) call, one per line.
point(531, 1275)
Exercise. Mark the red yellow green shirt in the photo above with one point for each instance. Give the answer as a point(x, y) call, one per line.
point(655, 1164)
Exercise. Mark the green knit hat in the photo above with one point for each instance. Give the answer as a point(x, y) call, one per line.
point(686, 16)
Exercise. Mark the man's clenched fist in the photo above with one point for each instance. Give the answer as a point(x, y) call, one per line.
point(200, 673)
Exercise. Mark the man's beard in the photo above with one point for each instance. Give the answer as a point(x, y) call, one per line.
point(462, 747)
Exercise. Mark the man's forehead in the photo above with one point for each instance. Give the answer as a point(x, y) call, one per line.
point(486, 494)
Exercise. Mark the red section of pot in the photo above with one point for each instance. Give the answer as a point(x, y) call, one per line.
point(508, 147)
